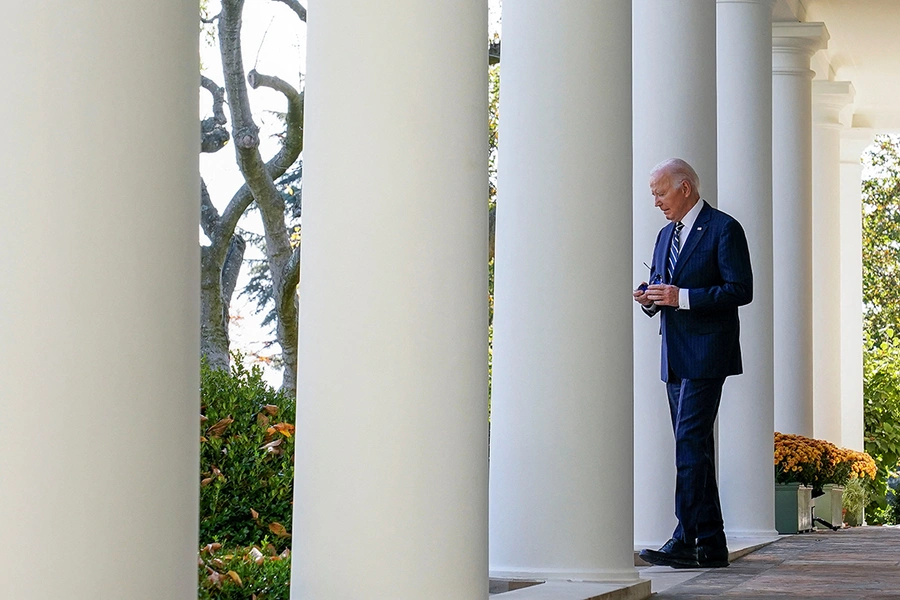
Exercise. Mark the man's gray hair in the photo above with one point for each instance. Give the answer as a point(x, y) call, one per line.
point(679, 170)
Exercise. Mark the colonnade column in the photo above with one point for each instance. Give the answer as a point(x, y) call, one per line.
point(793, 45)
point(829, 99)
point(853, 142)
point(391, 455)
point(746, 417)
point(99, 319)
point(674, 116)
point(561, 406)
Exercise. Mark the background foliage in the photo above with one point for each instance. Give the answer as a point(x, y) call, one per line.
point(881, 280)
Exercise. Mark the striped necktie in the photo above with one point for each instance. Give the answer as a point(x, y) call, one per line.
point(675, 248)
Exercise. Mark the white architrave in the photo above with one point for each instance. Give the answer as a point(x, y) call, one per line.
point(99, 315)
point(391, 471)
point(674, 116)
point(853, 142)
point(829, 100)
point(793, 44)
point(561, 420)
point(746, 416)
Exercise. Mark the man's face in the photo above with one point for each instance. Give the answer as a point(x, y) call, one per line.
point(673, 201)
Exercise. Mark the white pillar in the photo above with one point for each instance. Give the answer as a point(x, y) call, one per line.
point(829, 99)
point(99, 315)
point(746, 417)
point(793, 44)
point(391, 459)
point(853, 142)
point(561, 407)
point(674, 116)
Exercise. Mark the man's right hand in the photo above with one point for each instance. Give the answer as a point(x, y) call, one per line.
point(640, 295)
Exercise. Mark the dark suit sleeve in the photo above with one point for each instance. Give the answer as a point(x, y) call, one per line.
point(736, 287)
point(653, 309)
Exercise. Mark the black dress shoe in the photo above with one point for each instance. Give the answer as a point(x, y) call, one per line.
point(674, 553)
point(711, 557)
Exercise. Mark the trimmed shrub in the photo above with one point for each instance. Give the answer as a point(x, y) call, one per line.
point(255, 574)
point(246, 460)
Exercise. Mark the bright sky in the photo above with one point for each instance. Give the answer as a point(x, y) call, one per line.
point(274, 42)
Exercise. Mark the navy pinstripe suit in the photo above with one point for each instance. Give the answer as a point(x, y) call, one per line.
point(700, 348)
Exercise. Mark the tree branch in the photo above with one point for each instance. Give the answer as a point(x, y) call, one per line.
point(210, 20)
point(232, 267)
point(213, 134)
point(209, 216)
point(296, 7)
point(292, 270)
point(218, 94)
point(293, 140)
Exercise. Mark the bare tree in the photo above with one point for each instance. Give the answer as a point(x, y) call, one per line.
point(221, 260)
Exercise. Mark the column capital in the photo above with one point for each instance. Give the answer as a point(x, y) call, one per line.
point(793, 44)
point(830, 98)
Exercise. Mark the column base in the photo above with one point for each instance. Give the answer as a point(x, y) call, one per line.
point(598, 576)
point(575, 590)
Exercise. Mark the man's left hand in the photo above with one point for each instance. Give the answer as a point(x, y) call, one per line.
point(663, 294)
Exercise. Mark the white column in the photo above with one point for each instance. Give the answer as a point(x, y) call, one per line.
point(561, 422)
point(746, 417)
point(674, 116)
point(829, 99)
point(793, 44)
point(99, 314)
point(853, 142)
point(391, 471)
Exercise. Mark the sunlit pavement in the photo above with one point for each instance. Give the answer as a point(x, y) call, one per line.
point(861, 562)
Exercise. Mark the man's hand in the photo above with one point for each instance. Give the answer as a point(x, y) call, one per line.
point(663, 294)
point(640, 295)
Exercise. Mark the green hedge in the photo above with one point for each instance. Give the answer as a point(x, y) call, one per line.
point(246, 486)
point(242, 576)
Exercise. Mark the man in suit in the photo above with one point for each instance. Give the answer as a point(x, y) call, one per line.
point(700, 275)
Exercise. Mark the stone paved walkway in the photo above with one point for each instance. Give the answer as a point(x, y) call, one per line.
point(850, 564)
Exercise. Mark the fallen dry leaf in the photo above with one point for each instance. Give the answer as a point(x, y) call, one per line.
point(211, 548)
point(214, 577)
point(262, 420)
point(254, 514)
point(219, 428)
point(236, 578)
point(257, 556)
point(285, 429)
point(271, 446)
point(271, 409)
point(206, 482)
point(279, 530)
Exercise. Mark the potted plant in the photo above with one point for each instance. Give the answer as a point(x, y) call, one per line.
point(811, 472)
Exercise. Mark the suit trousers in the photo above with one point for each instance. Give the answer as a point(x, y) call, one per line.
point(694, 404)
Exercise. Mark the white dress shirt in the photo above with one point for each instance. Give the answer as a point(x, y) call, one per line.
point(684, 300)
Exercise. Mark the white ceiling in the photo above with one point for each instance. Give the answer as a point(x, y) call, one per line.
point(864, 49)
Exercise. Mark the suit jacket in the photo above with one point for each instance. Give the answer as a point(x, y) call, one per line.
point(714, 265)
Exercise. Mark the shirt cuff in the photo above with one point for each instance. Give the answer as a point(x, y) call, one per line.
point(684, 299)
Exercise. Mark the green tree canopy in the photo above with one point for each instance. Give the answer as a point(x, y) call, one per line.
point(881, 286)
